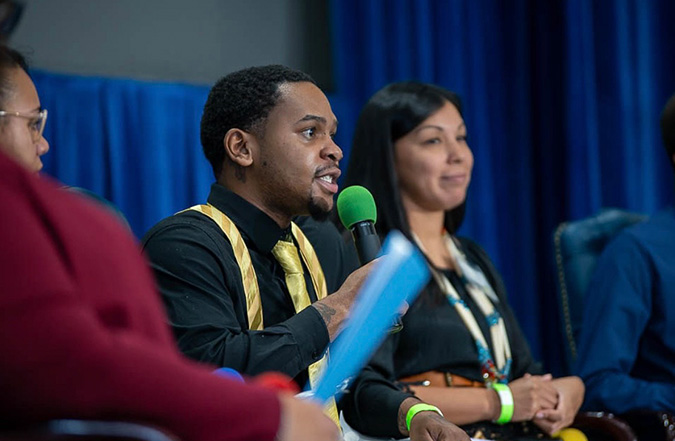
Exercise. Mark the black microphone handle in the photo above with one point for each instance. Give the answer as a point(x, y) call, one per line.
point(366, 240)
point(368, 245)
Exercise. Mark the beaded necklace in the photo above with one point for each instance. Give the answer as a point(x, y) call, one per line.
point(495, 369)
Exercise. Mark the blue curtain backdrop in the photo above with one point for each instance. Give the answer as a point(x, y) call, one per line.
point(134, 143)
point(561, 99)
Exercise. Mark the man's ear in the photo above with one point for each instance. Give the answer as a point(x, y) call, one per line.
point(239, 146)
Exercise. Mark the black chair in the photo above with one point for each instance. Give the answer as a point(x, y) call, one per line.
point(102, 202)
point(578, 246)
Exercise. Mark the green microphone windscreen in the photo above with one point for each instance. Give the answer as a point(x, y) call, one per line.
point(356, 204)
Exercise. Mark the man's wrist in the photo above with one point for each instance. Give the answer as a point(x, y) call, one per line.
point(416, 409)
point(332, 312)
point(403, 408)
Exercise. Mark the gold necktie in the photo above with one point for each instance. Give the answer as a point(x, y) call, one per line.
point(287, 255)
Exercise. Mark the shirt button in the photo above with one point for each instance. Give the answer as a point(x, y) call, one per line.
point(315, 355)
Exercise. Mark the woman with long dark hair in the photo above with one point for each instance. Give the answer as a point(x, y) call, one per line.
point(461, 348)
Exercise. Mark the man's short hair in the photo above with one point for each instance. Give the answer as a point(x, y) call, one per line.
point(242, 100)
point(9, 59)
point(668, 128)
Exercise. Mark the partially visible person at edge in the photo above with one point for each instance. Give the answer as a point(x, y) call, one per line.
point(627, 344)
point(22, 119)
point(268, 134)
point(82, 330)
point(461, 348)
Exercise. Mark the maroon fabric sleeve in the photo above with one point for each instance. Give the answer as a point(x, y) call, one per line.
point(82, 330)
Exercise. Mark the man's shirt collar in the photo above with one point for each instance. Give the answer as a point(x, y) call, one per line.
point(258, 227)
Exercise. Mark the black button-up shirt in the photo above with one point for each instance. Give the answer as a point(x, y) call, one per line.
point(200, 282)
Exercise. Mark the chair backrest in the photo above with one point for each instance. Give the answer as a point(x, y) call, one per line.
point(577, 248)
point(103, 202)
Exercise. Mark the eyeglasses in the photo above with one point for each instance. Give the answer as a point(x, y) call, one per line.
point(37, 121)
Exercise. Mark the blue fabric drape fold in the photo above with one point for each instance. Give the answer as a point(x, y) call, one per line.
point(135, 143)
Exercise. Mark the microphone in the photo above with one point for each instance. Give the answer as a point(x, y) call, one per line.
point(358, 213)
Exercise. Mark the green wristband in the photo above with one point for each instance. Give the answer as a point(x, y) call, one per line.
point(506, 398)
point(417, 408)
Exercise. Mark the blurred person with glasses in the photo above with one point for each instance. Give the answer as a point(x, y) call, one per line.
point(22, 119)
point(83, 332)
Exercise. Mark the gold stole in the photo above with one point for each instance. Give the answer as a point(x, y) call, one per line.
point(252, 291)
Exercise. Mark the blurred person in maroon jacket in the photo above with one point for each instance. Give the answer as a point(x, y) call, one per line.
point(82, 329)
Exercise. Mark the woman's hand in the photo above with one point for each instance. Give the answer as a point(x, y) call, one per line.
point(570, 396)
point(532, 394)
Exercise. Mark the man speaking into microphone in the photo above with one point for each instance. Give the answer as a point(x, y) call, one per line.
point(242, 284)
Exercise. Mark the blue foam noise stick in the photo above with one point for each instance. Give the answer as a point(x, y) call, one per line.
point(229, 373)
point(397, 277)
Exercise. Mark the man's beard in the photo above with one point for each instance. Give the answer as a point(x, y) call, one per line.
point(317, 212)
